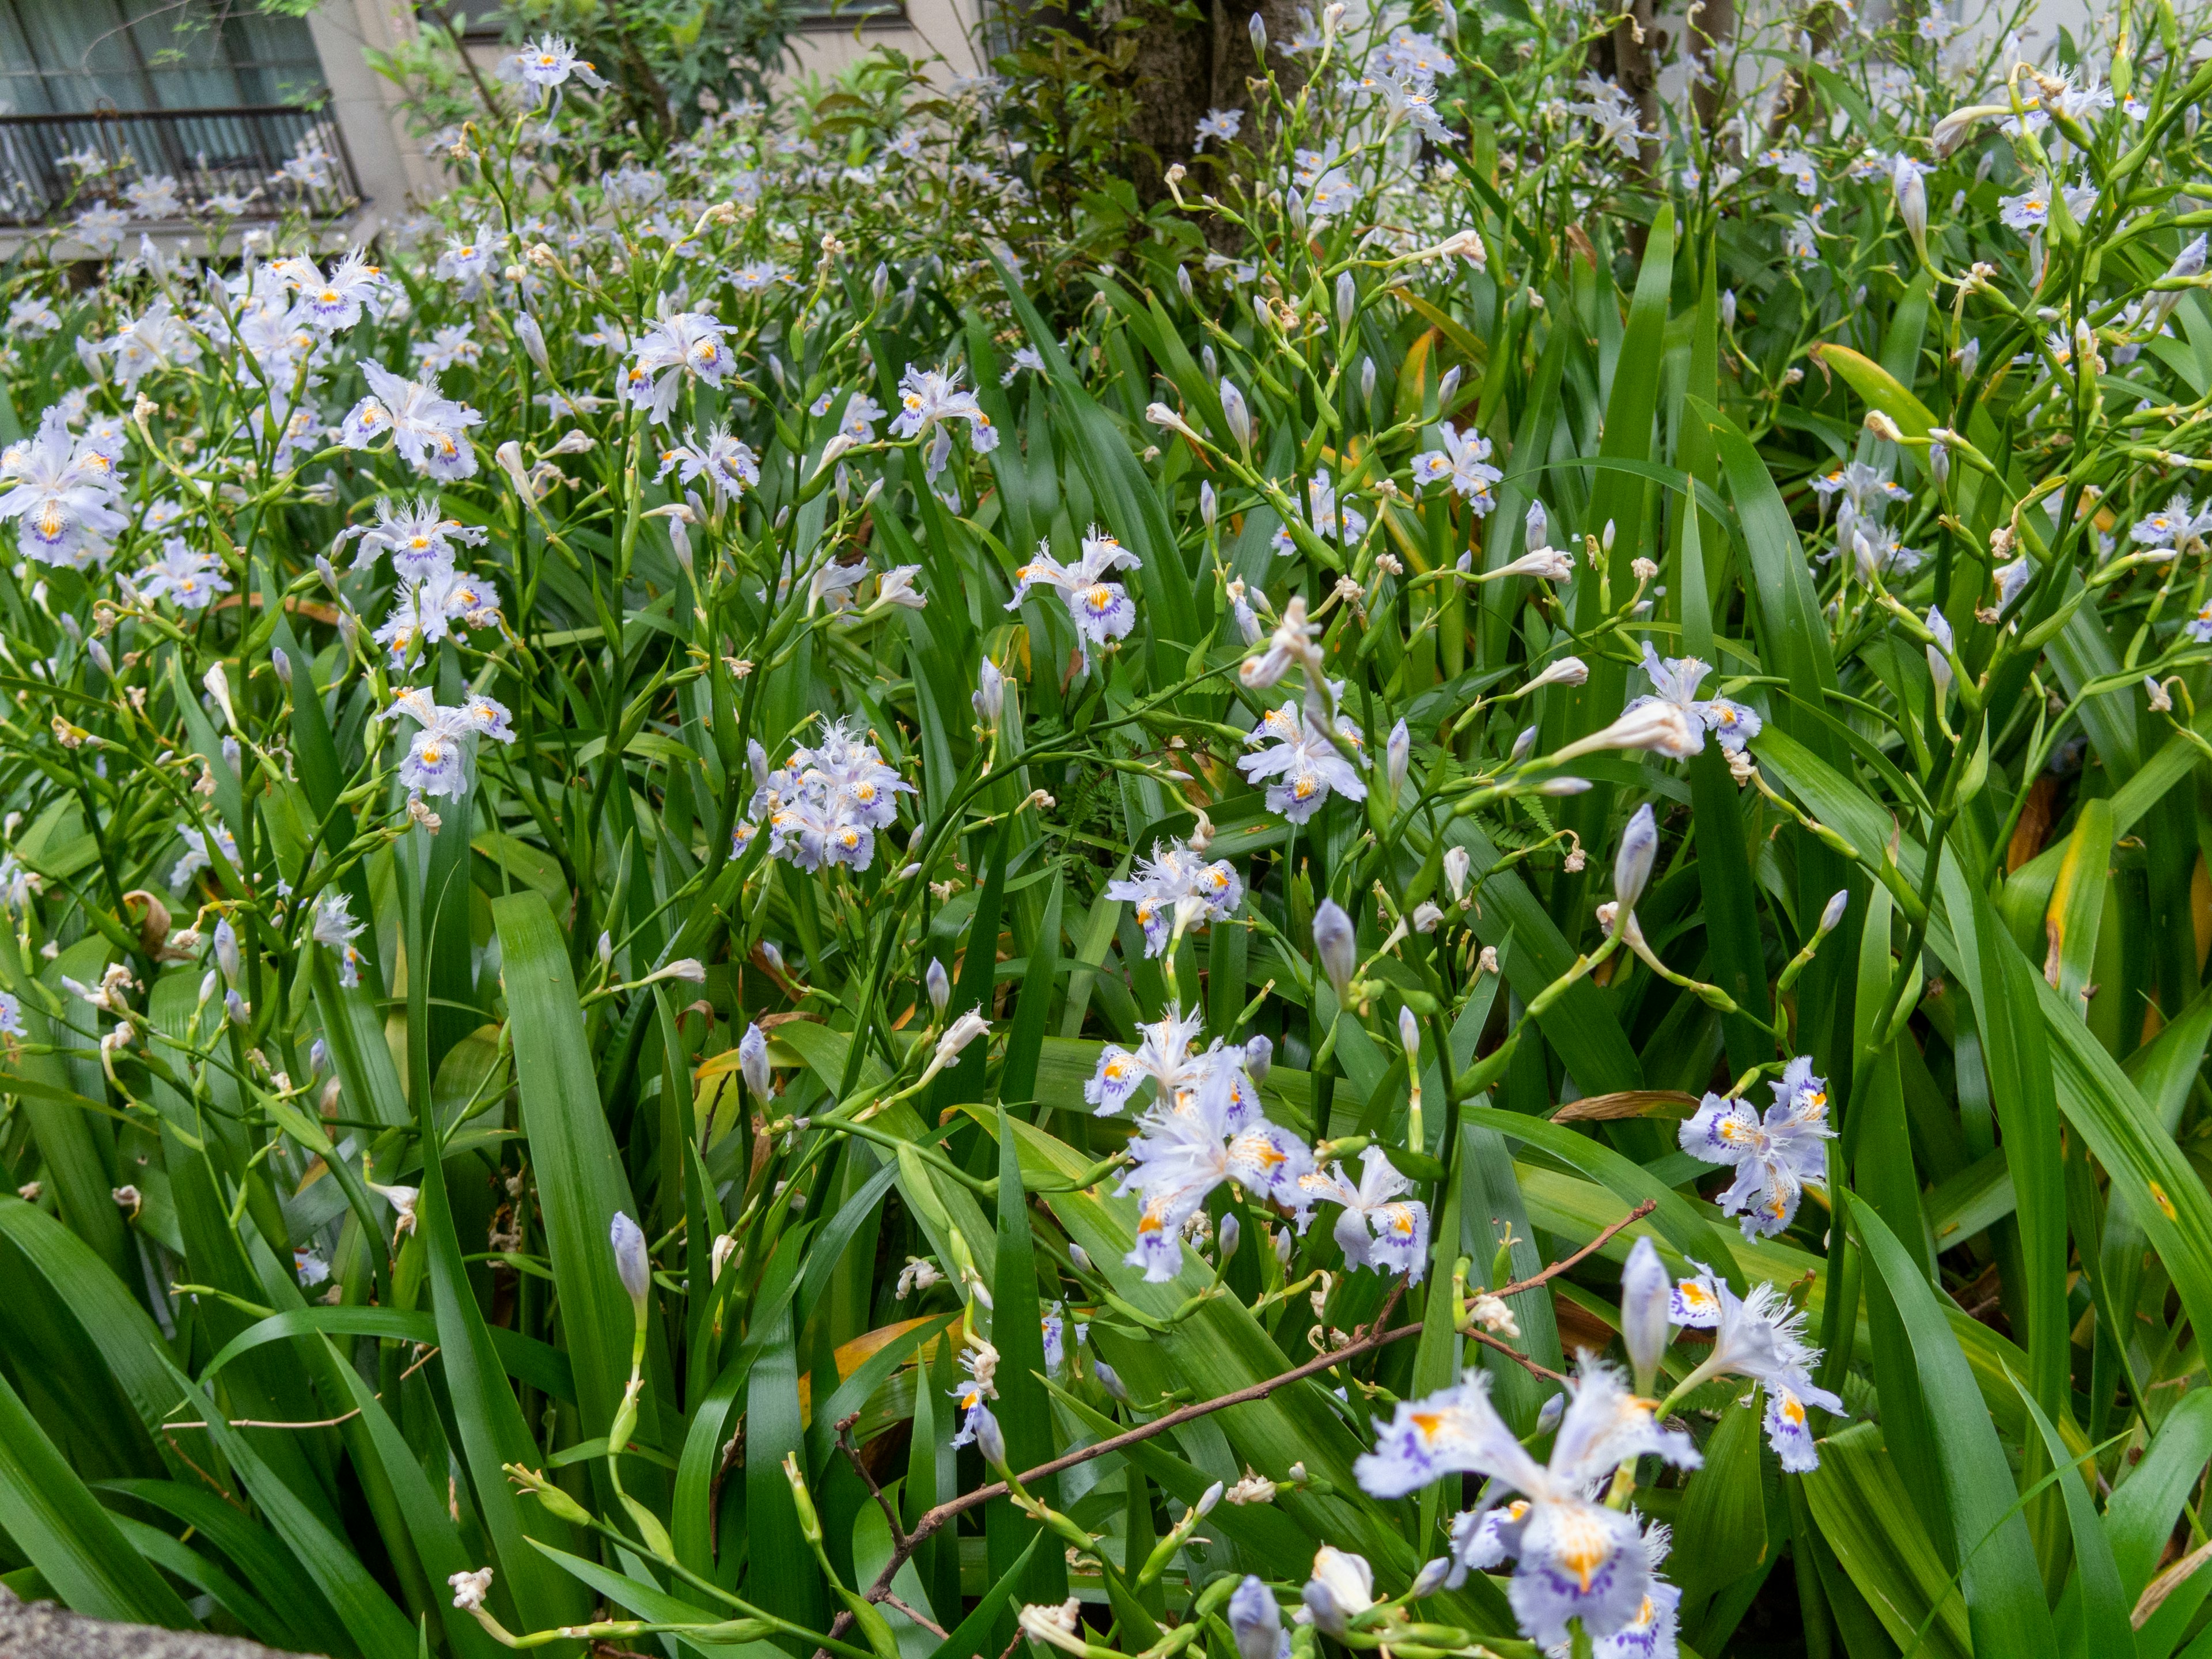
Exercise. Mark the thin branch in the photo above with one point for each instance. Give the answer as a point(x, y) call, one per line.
point(920, 1619)
point(1514, 1354)
point(256, 1423)
point(1588, 1249)
point(853, 1456)
point(221, 1491)
point(1373, 1337)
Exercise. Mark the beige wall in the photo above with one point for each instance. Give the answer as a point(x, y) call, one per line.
point(386, 161)
point(389, 164)
point(932, 28)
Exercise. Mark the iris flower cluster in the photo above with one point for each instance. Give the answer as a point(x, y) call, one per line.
point(64, 493)
point(824, 805)
point(1776, 1154)
point(1175, 877)
point(438, 759)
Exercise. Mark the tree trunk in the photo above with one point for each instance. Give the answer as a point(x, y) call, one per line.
point(1712, 36)
point(1634, 51)
point(1182, 69)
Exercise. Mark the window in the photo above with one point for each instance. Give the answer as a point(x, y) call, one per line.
point(844, 13)
point(61, 56)
point(479, 21)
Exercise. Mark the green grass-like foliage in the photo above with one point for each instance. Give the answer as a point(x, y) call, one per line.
point(1020, 915)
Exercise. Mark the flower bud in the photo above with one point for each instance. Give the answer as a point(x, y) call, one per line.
point(606, 948)
point(1182, 285)
point(810, 1518)
point(1161, 415)
point(1080, 1257)
point(1523, 742)
point(1938, 654)
point(1335, 946)
point(1397, 755)
point(1536, 528)
point(1631, 866)
point(282, 663)
point(1209, 508)
point(1833, 912)
point(1447, 388)
point(1457, 861)
point(990, 694)
point(1646, 1292)
point(752, 1063)
point(1727, 309)
point(1256, 1621)
point(630, 1261)
point(227, 956)
point(1367, 380)
point(1259, 1056)
point(234, 1006)
point(218, 687)
point(1409, 1035)
point(1110, 1380)
point(990, 1438)
point(939, 986)
point(1347, 299)
point(1230, 1233)
point(533, 340)
point(1658, 727)
point(1567, 671)
point(1259, 32)
point(1911, 202)
point(1234, 409)
point(1341, 1588)
point(509, 457)
point(1431, 1578)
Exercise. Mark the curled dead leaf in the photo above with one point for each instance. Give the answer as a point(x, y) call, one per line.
point(1628, 1102)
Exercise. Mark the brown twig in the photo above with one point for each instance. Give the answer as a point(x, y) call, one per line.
point(853, 1456)
point(221, 1491)
point(1514, 1353)
point(257, 1423)
point(1591, 1249)
point(1374, 1336)
point(920, 1619)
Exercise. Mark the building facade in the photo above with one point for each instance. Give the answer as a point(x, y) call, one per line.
point(130, 110)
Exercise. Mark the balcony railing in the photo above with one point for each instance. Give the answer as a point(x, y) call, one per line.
point(257, 162)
